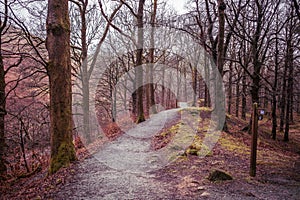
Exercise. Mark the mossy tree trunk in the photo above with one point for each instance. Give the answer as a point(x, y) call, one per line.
point(59, 71)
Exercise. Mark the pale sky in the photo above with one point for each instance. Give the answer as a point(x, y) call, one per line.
point(178, 5)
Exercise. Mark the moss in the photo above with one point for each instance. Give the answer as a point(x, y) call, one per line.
point(65, 155)
point(205, 151)
point(140, 119)
point(218, 175)
point(197, 148)
point(234, 146)
point(196, 143)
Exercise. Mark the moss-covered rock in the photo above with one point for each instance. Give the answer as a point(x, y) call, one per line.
point(218, 175)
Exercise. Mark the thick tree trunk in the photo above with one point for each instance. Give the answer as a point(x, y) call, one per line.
point(59, 71)
point(139, 62)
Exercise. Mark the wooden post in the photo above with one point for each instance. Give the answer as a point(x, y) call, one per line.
point(254, 141)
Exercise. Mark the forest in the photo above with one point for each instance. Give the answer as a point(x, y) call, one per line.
point(156, 100)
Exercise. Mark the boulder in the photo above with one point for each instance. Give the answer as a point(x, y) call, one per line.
point(218, 175)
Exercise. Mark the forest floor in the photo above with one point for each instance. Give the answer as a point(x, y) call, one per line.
point(136, 166)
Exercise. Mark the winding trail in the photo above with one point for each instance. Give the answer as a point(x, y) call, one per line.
point(122, 169)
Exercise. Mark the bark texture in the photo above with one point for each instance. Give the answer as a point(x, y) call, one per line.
point(59, 71)
point(139, 62)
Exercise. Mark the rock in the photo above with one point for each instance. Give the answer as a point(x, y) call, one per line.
point(218, 175)
point(205, 194)
point(200, 188)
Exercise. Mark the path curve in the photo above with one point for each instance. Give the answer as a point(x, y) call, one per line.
point(122, 168)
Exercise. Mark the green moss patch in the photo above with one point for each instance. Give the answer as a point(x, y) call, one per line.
point(65, 155)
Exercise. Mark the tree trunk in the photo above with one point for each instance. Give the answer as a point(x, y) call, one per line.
point(220, 61)
point(2, 116)
point(289, 92)
point(274, 93)
point(163, 102)
point(229, 90)
point(3, 169)
point(178, 78)
point(59, 71)
point(86, 106)
point(283, 97)
point(125, 94)
point(288, 110)
point(244, 100)
point(199, 89)
point(22, 145)
point(207, 99)
point(185, 85)
point(85, 76)
point(168, 100)
point(151, 86)
point(292, 102)
point(237, 101)
point(195, 75)
point(257, 63)
point(139, 62)
point(266, 94)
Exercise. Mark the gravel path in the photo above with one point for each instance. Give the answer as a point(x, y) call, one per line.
point(122, 169)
